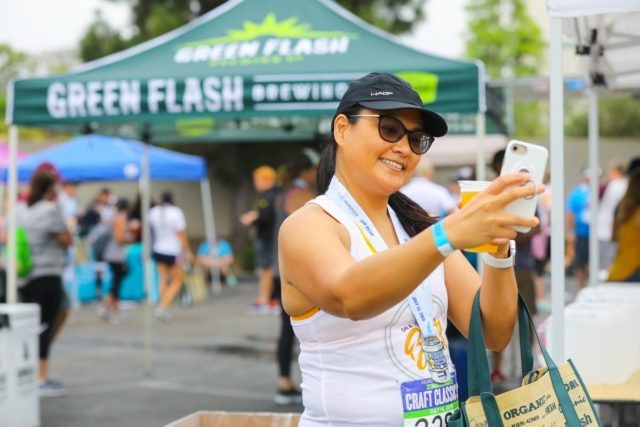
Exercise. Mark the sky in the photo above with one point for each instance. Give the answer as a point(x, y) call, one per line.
point(37, 26)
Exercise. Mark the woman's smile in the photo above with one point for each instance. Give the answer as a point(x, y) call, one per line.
point(393, 164)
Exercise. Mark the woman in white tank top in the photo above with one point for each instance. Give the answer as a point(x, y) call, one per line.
point(370, 279)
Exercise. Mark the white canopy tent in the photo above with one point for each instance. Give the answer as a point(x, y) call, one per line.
point(607, 33)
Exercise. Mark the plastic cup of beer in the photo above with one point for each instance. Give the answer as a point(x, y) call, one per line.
point(468, 190)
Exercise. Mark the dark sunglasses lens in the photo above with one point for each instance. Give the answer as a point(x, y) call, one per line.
point(391, 130)
point(420, 142)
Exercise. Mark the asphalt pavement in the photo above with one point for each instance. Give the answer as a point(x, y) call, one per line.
point(212, 356)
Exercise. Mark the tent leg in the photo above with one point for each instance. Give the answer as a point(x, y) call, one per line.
point(145, 192)
point(12, 195)
point(209, 225)
point(594, 250)
point(556, 121)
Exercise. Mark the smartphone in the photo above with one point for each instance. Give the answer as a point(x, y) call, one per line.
point(524, 157)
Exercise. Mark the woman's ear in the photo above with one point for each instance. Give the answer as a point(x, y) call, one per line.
point(340, 126)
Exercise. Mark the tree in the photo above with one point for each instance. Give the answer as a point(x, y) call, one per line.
point(504, 37)
point(152, 18)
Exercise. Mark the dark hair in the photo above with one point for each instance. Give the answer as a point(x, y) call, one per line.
point(413, 218)
point(629, 202)
point(166, 198)
point(496, 162)
point(122, 204)
point(299, 163)
point(634, 166)
point(42, 181)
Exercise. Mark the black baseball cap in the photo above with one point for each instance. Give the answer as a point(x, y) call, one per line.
point(383, 91)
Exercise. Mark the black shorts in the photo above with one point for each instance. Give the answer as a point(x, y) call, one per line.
point(582, 252)
point(168, 260)
point(265, 253)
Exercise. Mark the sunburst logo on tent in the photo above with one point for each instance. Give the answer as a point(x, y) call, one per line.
point(268, 42)
point(270, 27)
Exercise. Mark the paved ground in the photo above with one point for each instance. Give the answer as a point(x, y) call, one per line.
point(212, 356)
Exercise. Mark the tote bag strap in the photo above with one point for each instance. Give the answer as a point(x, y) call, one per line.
point(478, 364)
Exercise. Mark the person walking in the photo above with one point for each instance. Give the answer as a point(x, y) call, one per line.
point(578, 228)
point(114, 255)
point(263, 217)
point(613, 192)
point(298, 189)
point(170, 243)
point(370, 279)
point(48, 238)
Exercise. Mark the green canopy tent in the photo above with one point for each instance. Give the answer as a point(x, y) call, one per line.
point(246, 61)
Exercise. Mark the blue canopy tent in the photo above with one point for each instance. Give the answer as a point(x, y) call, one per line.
point(105, 158)
point(91, 158)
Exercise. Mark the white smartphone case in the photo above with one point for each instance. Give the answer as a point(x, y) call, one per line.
point(524, 157)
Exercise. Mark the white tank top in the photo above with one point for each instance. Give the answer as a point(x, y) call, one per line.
point(352, 371)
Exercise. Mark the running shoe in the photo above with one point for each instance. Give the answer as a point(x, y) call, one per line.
point(293, 396)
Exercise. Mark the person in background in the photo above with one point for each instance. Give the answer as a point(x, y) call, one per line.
point(68, 200)
point(221, 256)
point(615, 189)
point(541, 246)
point(297, 189)
point(263, 217)
point(577, 229)
point(626, 232)
point(524, 268)
point(114, 255)
point(169, 245)
point(432, 197)
point(48, 238)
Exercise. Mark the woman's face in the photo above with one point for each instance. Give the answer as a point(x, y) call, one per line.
point(375, 163)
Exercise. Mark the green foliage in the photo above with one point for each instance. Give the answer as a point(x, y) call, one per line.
point(504, 37)
point(152, 18)
point(100, 40)
point(617, 118)
point(13, 64)
point(530, 120)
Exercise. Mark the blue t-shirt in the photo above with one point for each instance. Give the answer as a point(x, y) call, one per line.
point(224, 249)
point(579, 206)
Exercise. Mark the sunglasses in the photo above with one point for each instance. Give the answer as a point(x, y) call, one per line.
point(392, 130)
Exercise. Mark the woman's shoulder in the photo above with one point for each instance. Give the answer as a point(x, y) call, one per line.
point(313, 220)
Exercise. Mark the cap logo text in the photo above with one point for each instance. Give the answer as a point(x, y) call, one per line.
point(381, 92)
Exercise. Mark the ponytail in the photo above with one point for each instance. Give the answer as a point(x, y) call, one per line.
point(413, 218)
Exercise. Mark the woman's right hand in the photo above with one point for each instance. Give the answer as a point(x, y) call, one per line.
point(484, 218)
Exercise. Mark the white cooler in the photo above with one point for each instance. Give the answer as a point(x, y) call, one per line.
point(19, 356)
point(4, 366)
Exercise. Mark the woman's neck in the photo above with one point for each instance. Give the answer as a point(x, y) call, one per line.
point(374, 205)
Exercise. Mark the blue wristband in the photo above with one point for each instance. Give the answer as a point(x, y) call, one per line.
point(441, 240)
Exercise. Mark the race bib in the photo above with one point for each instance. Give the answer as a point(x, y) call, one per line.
point(427, 403)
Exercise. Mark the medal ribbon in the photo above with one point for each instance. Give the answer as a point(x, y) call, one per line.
point(420, 299)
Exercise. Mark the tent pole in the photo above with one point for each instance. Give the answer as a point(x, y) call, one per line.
point(210, 230)
point(556, 121)
point(12, 195)
point(481, 168)
point(594, 201)
point(145, 192)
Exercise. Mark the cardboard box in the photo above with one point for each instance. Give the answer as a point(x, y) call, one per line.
point(237, 419)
